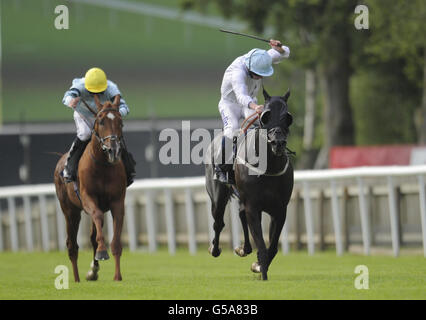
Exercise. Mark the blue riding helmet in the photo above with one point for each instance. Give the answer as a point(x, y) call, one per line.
point(259, 62)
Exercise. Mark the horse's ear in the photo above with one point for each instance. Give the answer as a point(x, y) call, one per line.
point(286, 96)
point(97, 102)
point(266, 95)
point(116, 102)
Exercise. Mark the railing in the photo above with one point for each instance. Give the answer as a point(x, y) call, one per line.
point(176, 211)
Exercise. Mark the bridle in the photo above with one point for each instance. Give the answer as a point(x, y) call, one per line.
point(253, 117)
point(112, 137)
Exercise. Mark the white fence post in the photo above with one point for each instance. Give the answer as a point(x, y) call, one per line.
point(308, 217)
point(284, 239)
point(1, 231)
point(422, 198)
point(336, 219)
point(44, 222)
point(365, 224)
point(150, 221)
point(170, 221)
point(60, 222)
point(393, 217)
point(131, 227)
point(28, 223)
point(190, 221)
point(13, 224)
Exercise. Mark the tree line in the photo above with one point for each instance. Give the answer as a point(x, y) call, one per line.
point(361, 87)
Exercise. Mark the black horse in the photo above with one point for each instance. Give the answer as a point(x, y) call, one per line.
point(268, 189)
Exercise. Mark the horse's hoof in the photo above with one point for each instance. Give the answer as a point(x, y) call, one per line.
point(215, 252)
point(240, 251)
point(255, 267)
point(91, 276)
point(101, 255)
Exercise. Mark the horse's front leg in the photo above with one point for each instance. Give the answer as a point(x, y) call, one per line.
point(254, 218)
point(91, 207)
point(275, 228)
point(117, 211)
point(245, 249)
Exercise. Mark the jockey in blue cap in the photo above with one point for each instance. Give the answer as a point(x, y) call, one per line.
point(240, 86)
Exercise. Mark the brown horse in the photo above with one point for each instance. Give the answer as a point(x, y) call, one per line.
point(102, 186)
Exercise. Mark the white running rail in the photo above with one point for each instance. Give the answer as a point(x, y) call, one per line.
point(304, 181)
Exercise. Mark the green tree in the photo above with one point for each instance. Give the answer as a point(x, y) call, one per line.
point(398, 34)
point(319, 33)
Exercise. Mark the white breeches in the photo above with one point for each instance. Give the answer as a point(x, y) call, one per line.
point(84, 132)
point(231, 114)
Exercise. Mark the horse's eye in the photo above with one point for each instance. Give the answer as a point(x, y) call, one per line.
point(101, 122)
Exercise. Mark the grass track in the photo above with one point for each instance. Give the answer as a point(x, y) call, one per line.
point(161, 276)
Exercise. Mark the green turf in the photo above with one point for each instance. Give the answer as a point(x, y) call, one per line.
point(161, 276)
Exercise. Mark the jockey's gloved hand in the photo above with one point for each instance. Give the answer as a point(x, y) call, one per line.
point(256, 107)
point(72, 102)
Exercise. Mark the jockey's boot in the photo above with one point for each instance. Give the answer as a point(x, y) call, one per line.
point(129, 165)
point(74, 155)
point(224, 171)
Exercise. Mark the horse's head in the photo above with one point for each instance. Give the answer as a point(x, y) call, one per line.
point(108, 128)
point(276, 120)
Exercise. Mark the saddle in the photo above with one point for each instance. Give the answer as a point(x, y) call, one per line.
point(246, 145)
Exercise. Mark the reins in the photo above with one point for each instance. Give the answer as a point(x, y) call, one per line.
point(255, 116)
point(89, 108)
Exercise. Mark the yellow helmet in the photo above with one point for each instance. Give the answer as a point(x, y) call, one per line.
point(95, 80)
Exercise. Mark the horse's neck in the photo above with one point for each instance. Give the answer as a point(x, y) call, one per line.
point(274, 163)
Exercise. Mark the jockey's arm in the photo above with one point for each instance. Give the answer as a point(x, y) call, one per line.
point(72, 96)
point(241, 92)
point(71, 99)
point(240, 88)
point(278, 52)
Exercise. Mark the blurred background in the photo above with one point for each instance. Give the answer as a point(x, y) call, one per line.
point(348, 87)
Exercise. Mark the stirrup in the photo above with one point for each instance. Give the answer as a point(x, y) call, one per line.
point(220, 175)
point(224, 177)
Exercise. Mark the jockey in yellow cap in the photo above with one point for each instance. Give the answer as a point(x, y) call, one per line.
point(94, 82)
